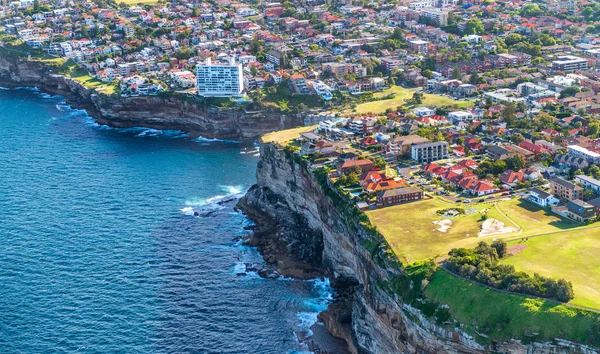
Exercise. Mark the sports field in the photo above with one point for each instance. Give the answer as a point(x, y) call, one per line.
point(412, 234)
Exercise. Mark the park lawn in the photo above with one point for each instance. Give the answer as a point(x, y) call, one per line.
point(89, 82)
point(285, 136)
point(410, 231)
point(533, 219)
point(569, 255)
point(402, 95)
point(503, 316)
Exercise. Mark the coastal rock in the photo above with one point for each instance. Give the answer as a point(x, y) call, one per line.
point(158, 112)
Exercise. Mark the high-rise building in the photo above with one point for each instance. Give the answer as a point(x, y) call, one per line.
point(219, 80)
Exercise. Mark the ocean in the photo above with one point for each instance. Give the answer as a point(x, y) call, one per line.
point(100, 251)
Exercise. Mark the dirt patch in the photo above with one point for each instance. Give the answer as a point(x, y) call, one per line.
point(513, 250)
point(444, 225)
point(495, 227)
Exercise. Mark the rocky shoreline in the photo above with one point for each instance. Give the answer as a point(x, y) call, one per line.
point(163, 112)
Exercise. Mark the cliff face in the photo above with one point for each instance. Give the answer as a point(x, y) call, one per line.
point(301, 231)
point(158, 112)
point(367, 317)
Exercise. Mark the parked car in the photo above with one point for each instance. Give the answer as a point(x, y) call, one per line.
point(481, 200)
point(467, 201)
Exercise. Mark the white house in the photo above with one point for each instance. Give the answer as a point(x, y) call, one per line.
point(424, 111)
point(542, 198)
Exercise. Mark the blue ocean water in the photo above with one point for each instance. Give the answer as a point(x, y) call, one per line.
point(99, 252)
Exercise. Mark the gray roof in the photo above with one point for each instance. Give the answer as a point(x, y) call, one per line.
point(540, 193)
point(400, 191)
point(563, 182)
point(588, 179)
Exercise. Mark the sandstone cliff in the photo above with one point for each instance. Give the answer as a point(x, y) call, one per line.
point(303, 230)
point(158, 112)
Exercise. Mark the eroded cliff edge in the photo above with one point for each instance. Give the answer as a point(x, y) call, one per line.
point(302, 230)
point(305, 230)
point(158, 112)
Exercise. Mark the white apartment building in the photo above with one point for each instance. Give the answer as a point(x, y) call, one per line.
point(219, 80)
point(428, 152)
point(569, 63)
point(589, 183)
point(419, 5)
point(588, 155)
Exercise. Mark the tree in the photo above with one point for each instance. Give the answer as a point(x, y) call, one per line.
point(456, 74)
point(513, 39)
point(500, 247)
point(530, 10)
point(379, 163)
point(569, 91)
point(474, 26)
point(36, 5)
point(474, 77)
point(509, 113)
point(517, 138)
point(588, 194)
point(516, 162)
point(417, 97)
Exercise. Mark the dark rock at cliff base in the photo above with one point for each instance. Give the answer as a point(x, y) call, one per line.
point(268, 273)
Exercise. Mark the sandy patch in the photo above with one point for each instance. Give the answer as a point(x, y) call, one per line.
point(444, 225)
point(513, 250)
point(495, 227)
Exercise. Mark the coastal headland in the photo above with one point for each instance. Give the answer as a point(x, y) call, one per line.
point(168, 111)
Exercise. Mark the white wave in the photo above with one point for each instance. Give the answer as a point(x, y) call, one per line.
point(27, 88)
point(207, 206)
point(204, 140)
point(149, 132)
point(313, 306)
point(188, 211)
point(252, 151)
point(4, 88)
point(232, 190)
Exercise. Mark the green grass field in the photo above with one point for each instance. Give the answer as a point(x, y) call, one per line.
point(503, 316)
point(409, 230)
point(89, 82)
point(285, 136)
point(570, 255)
point(535, 220)
point(400, 98)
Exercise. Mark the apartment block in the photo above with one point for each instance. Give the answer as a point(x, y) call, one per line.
point(428, 152)
point(219, 80)
point(565, 190)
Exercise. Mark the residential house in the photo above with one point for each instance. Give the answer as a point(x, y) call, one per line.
point(581, 211)
point(542, 198)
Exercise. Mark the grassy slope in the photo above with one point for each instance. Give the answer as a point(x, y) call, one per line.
point(571, 255)
point(284, 136)
point(403, 94)
point(409, 230)
point(533, 219)
point(89, 82)
point(504, 316)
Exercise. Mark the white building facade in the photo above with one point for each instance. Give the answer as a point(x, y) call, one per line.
point(219, 80)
